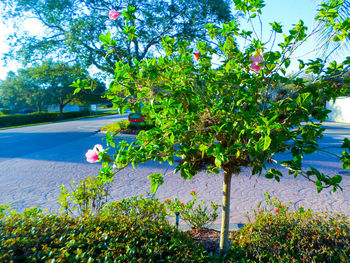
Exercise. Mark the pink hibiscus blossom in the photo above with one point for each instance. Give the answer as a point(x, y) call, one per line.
point(92, 155)
point(197, 55)
point(98, 148)
point(113, 14)
point(255, 65)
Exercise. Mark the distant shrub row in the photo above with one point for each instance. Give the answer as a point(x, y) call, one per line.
point(23, 119)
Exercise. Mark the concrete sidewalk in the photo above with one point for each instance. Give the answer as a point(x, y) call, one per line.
point(35, 179)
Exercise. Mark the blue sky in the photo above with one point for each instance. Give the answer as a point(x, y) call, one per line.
point(286, 12)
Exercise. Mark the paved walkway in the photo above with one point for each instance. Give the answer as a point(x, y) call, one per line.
point(35, 179)
point(246, 191)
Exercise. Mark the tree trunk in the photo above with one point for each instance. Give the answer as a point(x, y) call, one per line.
point(61, 111)
point(224, 241)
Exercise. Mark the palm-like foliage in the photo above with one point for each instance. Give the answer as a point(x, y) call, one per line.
point(334, 49)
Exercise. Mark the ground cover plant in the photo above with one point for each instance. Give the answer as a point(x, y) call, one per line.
point(226, 117)
point(279, 235)
point(127, 127)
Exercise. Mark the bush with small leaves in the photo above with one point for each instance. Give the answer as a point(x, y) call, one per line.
point(278, 235)
point(195, 215)
point(87, 197)
point(137, 207)
point(36, 237)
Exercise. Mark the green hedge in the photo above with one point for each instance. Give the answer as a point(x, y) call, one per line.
point(23, 119)
point(6, 111)
point(136, 230)
point(37, 237)
point(301, 236)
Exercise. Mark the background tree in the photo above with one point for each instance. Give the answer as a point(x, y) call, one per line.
point(48, 83)
point(19, 91)
point(71, 28)
point(229, 118)
point(57, 79)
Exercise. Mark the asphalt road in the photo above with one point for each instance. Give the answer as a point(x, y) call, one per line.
point(36, 160)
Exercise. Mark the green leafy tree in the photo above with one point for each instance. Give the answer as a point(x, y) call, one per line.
point(19, 91)
point(57, 79)
point(228, 118)
point(72, 28)
point(40, 85)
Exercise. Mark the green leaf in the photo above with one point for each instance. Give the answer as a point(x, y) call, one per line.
point(276, 27)
point(337, 179)
point(154, 187)
point(218, 163)
point(77, 90)
point(287, 62)
point(267, 142)
point(319, 185)
point(269, 175)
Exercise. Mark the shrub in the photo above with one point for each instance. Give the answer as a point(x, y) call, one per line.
point(88, 197)
point(35, 237)
point(124, 125)
point(283, 236)
point(6, 111)
point(138, 207)
point(146, 125)
point(195, 215)
point(117, 126)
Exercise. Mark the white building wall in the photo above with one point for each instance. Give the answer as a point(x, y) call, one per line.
point(340, 110)
point(67, 108)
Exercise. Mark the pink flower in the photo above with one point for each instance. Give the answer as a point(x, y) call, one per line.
point(197, 55)
point(113, 14)
point(92, 155)
point(166, 200)
point(256, 61)
point(140, 87)
point(98, 148)
point(255, 67)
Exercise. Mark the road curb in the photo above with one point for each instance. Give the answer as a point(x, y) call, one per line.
point(122, 136)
